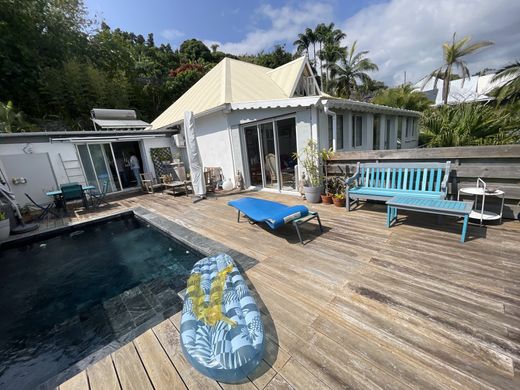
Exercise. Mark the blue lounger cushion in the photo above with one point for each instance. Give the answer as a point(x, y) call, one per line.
point(226, 343)
point(273, 214)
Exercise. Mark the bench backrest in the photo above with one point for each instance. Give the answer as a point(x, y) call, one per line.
point(413, 177)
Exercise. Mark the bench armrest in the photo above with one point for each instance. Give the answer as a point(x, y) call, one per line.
point(444, 183)
point(351, 179)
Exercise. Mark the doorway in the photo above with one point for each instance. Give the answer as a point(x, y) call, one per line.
point(270, 149)
point(109, 162)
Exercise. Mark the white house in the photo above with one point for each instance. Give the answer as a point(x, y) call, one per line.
point(252, 119)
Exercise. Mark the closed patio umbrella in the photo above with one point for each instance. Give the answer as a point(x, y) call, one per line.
point(197, 174)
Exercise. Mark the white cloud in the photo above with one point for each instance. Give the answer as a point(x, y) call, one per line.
point(407, 35)
point(171, 34)
point(284, 25)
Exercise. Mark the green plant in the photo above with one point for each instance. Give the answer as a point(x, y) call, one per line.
point(326, 154)
point(339, 196)
point(453, 54)
point(468, 124)
point(2, 216)
point(403, 96)
point(339, 185)
point(510, 76)
point(308, 159)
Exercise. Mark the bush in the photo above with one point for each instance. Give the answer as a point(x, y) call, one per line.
point(468, 124)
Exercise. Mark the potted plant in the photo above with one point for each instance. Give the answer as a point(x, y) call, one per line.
point(339, 192)
point(326, 197)
point(308, 159)
point(5, 228)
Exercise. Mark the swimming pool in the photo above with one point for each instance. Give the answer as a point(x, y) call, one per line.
point(66, 295)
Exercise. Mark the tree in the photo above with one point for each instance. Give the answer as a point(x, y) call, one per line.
point(330, 38)
point(468, 124)
point(351, 70)
point(403, 96)
point(453, 54)
point(193, 50)
point(510, 76)
point(10, 120)
point(305, 40)
point(214, 47)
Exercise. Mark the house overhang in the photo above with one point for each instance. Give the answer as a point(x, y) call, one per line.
point(354, 105)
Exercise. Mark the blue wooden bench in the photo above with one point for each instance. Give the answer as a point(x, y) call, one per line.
point(432, 206)
point(382, 181)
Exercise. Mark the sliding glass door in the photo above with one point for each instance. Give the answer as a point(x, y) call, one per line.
point(270, 148)
point(99, 165)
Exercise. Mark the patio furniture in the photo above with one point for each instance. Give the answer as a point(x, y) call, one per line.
point(149, 183)
point(221, 333)
point(73, 191)
point(382, 181)
point(97, 198)
point(213, 177)
point(483, 190)
point(431, 206)
point(45, 208)
point(274, 214)
point(176, 182)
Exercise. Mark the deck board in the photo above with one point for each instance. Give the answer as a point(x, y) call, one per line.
point(359, 306)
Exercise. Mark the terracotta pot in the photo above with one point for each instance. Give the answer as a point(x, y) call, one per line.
point(326, 199)
point(339, 202)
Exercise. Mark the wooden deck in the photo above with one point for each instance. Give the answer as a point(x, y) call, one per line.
point(360, 306)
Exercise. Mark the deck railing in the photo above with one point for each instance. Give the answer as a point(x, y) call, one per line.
point(499, 166)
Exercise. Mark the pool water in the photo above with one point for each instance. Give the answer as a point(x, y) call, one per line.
point(64, 297)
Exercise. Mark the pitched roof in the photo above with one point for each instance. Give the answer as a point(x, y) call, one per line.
point(233, 81)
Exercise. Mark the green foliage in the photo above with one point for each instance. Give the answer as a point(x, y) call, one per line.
point(510, 89)
point(2, 216)
point(351, 72)
point(308, 159)
point(278, 57)
point(468, 124)
point(12, 121)
point(454, 54)
point(193, 50)
point(403, 96)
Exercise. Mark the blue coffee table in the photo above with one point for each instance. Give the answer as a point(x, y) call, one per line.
point(431, 206)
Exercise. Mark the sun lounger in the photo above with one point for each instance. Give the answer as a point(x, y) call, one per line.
point(274, 214)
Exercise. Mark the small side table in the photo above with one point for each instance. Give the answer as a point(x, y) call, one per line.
point(480, 213)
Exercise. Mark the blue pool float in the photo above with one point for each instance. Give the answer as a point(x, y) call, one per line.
point(222, 334)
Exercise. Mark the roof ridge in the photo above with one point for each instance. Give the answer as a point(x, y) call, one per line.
point(226, 81)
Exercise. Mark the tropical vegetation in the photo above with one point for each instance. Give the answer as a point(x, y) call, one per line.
point(468, 124)
point(404, 96)
point(510, 89)
point(454, 54)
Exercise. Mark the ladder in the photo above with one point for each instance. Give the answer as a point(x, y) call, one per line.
point(73, 170)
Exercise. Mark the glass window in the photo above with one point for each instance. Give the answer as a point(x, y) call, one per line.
point(376, 133)
point(339, 131)
point(357, 130)
point(388, 133)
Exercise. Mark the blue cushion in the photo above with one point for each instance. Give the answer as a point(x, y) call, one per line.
point(273, 213)
point(226, 343)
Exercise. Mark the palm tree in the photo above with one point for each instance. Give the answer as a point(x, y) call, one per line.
point(351, 69)
point(327, 35)
point(453, 54)
point(302, 44)
point(403, 96)
point(305, 41)
point(330, 54)
point(510, 90)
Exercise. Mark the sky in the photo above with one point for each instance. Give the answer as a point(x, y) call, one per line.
point(400, 35)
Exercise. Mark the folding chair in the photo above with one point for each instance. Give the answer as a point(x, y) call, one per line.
point(98, 198)
point(46, 209)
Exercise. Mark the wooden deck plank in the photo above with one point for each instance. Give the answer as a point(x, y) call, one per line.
point(160, 369)
point(102, 375)
point(130, 370)
point(77, 382)
point(299, 377)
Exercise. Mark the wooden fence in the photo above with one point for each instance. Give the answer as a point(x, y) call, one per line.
point(497, 165)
